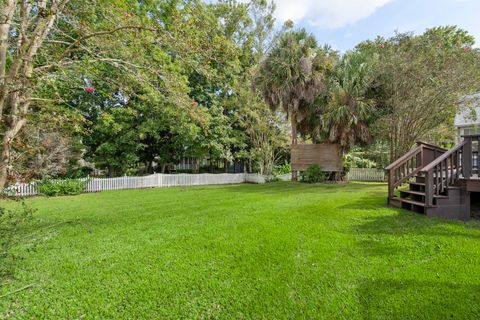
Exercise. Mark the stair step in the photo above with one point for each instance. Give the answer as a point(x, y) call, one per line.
point(420, 179)
point(417, 203)
point(395, 201)
point(418, 184)
point(419, 193)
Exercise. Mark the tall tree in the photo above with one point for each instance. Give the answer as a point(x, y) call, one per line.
point(36, 37)
point(292, 75)
point(46, 43)
point(348, 109)
point(418, 83)
point(23, 29)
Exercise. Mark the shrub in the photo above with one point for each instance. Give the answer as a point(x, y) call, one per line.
point(10, 223)
point(313, 174)
point(272, 178)
point(52, 188)
point(285, 168)
point(8, 192)
point(350, 161)
point(79, 173)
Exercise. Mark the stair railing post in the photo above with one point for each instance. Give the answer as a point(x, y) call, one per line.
point(467, 156)
point(429, 188)
point(391, 181)
point(420, 161)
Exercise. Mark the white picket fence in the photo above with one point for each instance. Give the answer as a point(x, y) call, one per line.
point(151, 181)
point(366, 174)
point(177, 180)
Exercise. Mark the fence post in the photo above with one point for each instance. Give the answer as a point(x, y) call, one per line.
point(160, 180)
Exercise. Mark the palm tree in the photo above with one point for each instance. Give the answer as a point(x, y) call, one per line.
point(292, 75)
point(347, 111)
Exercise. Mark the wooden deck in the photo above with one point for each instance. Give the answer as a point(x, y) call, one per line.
point(435, 181)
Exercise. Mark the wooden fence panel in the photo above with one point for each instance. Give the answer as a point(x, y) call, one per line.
point(366, 174)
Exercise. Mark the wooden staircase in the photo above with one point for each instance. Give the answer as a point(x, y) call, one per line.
point(413, 198)
point(432, 181)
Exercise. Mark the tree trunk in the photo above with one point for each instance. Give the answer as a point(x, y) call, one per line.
point(110, 172)
point(196, 165)
point(16, 85)
point(293, 119)
point(7, 139)
point(7, 14)
point(5, 21)
point(4, 162)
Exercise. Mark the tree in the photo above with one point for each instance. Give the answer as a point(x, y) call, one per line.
point(120, 144)
point(267, 136)
point(450, 36)
point(48, 48)
point(348, 109)
point(18, 49)
point(292, 75)
point(35, 38)
point(165, 131)
point(47, 146)
point(418, 83)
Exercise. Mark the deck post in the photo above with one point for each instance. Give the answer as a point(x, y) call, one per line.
point(467, 158)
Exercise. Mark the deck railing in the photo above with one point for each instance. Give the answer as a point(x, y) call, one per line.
point(410, 164)
point(447, 170)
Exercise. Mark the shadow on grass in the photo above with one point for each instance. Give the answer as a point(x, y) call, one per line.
point(408, 223)
point(416, 299)
point(405, 222)
point(409, 241)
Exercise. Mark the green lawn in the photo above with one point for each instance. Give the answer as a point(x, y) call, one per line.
point(274, 251)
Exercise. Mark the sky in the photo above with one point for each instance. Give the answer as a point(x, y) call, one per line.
point(345, 23)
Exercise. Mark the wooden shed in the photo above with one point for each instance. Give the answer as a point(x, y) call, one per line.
point(326, 155)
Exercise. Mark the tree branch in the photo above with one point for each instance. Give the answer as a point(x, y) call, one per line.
point(101, 33)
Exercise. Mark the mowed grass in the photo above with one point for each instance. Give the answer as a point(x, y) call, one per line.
point(274, 251)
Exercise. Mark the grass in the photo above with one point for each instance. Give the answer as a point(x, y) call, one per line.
point(274, 251)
